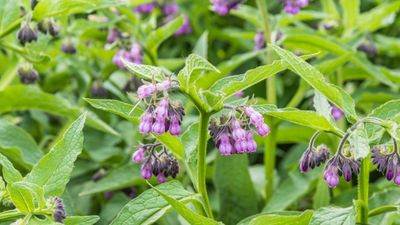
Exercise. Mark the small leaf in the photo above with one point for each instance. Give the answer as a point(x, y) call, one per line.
point(201, 46)
point(323, 107)
point(148, 207)
point(53, 171)
point(10, 174)
point(334, 215)
point(22, 197)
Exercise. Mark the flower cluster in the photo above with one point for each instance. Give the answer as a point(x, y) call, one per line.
point(387, 162)
point(313, 157)
point(68, 47)
point(223, 7)
point(294, 6)
point(340, 165)
point(49, 26)
point(234, 135)
point(27, 74)
point(57, 204)
point(133, 55)
point(161, 115)
point(158, 163)
point(145, 8)
point(27, 33)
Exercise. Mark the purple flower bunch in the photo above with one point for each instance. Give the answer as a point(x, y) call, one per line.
point(223, 7)
point(313, 157)
point(387, 162)
point(161, 115)
point(340, 165)
point(145, 8)
point(294, 6)
point(27, 33)
point(113, 35)
point(234, 135)
point(158, 163)
point(133, 55)
point(59, 213)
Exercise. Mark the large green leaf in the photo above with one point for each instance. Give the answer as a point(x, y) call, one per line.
point(53, 171)
point(23, 97)
point(173, 143)
point(305, 118)
point(313, 77)
point(118, 178)
point(378, 17)
point(292, 218)
point(18, 145)
point(10, 174)
point(190, 216)
point(149, 206)
point(81, 220)
point(237, 196)
point(351, 11)
point(9, 13)
point(334, 215)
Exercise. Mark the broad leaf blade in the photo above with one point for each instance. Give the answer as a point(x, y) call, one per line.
point(334, 215)
point(10, 174)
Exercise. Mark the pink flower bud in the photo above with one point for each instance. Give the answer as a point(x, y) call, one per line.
point(138, 156)
point(146, 90)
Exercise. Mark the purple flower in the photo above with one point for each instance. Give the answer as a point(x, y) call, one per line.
point(387, 162)
point(146, 90)
point(238, 133)
point(263, 129)
point(145, 8)
point(331, 176)
point(146, 122)
point(340, 165)
point(158, 126)
point(170, 9)
point(255, 117)
point(138, 156)
point(186, 28)
point(294, 6)
point(161, 111)
point(223, 7)
point(164, 85)
point(337, 113)
point(26, 34)
point(251, 143)
point(224, 144)
point(27, 74)
point(239, 94)
point(146, 170)
point(68, 47)
point(368, 48)
point(117, 59)
point(113, 35)
point(161, 178)
point(259, 41)
point(174, 126)
point(59, 213)
point(136, 53)
point(312, 157)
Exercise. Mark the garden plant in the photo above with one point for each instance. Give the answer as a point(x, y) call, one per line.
point(257, 112)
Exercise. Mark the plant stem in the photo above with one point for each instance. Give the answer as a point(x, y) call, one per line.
point(270, 141)
point(363, 185)
point(10, 214)
point(383, 209)
point(201, 161)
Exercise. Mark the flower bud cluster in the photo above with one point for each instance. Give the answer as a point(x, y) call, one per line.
point(27, 74)
point(294, 6)
point(49, 26)
point(235, 135)
point(133, 55)
point(27, 33)
point(340, 165)
point(387, 162)
point(57, 205)
point(223, 7)
point(313, 157)
point(158, 163)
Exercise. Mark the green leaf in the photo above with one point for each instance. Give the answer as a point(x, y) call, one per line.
point(148, 207)
point(249, 14)
point(173, 143)
point(158, 36)
point(53, 171)
point(351, 11)
point(201, 46)
point(305, 118)
point(235, 189)
point(382, 15)
point(110, 209)
point(81, 220)
point(323, 107)
point(24, 97)
point(190, 216)
point(18, 145)
point(22, 197)
point(121, 177)
point(145, 71)
point(194, 63)
point(359, 142)
point(334, 215)
point(10, 174)
point(9, 13)
point(322, 194)
point(117, 107)
point(292, 218)
point(314, 78)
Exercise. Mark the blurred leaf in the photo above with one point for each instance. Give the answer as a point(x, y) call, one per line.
point(81, 220)
point(249, 14)
point(112, 207)
point(382, 15)
point(359, 142)
point(292, 218)
point(10, 174)
point(149, 206)
point(334, 215)
point(22, 97)
point(313, 77)
point(117, 107)
point(201, 46)
point(351, 11)
point(9, 13)
point(53, 171)
point(145, 71)
point(18, 144)
point(323, 107)
point(322, 194)
point(22, 197)
point(190, 216)
point(237, 196)
point(121, 177)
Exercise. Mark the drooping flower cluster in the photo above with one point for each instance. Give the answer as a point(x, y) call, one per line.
point(294, 6)
point(158, 163)
point(27, 33)
point(387, 162)
point(133, 55)
point(223, 7)
point(27, 74)
point(234, 135)
point(49, 26)
point(340, 165)
point(161, 115)
point(313, 157)
point(57, 205)
point(68, 47)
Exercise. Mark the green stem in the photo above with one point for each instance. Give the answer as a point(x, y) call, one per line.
point(270, 141)
point(363, 185)
point(383, 209)
point(201, 161)
point(10, 214)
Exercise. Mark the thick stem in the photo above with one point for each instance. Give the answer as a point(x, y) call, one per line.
point(201, 161)
point(363, 185)
point(10, 214)
point(270, 141)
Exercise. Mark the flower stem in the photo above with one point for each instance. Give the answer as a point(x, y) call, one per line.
point(10, 214)
point(383, 209)
point(363, 186)
point(201, 161)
